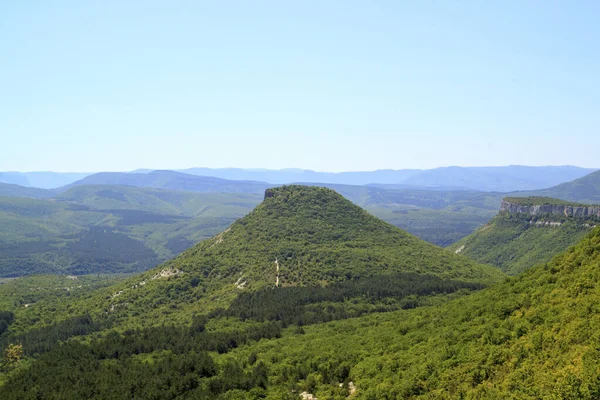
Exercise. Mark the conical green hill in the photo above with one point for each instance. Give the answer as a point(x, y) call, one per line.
point(313, 235)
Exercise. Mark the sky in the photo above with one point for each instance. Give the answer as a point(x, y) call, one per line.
point(323, 85)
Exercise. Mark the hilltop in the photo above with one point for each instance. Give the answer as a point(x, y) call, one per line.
point(528, 231)
point(298, 236)
point(304, 256)
point(56, 232)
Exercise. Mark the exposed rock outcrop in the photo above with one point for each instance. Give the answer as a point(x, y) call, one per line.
point(556, 209)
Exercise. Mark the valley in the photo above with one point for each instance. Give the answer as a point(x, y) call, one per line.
point(260, 311)
point(316, 200)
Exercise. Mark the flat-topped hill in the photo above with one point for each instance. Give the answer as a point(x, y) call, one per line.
point(528, 231)
point(297, 237)
point(548, 205)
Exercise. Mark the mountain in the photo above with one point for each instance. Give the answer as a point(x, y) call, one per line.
point(171, 180)
point(286, 176)
point(11, 190)
point(497, 179)
point(105, 228)
point(60, 234)
point(299, 236)
point(440, 217)
point(504, 179)
point(501, 179)
point(528, 231)
point(534, 336)
point(531, 336)
point(582, 190)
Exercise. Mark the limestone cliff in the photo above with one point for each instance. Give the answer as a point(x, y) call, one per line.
point(566, 210)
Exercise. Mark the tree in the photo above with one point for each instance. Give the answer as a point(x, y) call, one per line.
point(13, 353)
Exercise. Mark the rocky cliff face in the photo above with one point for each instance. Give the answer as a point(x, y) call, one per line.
point(566, 210)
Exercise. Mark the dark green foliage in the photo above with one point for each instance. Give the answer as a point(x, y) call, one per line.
point(540, 200)
point(111, 194)
point(529, 337)
point(6, 318)
point(308, 305)
point(114, 366)
point(102, 245)
point(177, 245)
point(43, 339)
point(317, 236)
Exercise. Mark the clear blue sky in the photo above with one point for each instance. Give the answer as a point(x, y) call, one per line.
point(324, 85)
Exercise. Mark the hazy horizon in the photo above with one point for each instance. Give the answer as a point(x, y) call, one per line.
point(289, 169)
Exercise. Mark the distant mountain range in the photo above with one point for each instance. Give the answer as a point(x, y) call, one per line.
point(500, 179)
point(582, 190)
point(171, 180)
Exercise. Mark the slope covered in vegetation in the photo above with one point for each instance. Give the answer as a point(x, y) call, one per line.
point(515, 241)
point(304, 256)
point(533, 336)
point(91, 229)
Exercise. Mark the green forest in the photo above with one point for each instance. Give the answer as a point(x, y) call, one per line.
point(311, 294)
point(515, 242)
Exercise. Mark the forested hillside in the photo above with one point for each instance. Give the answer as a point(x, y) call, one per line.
point(91, 229)
point(116, 228)
point(304, 256)
point(527, 232)
point(530, 337)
